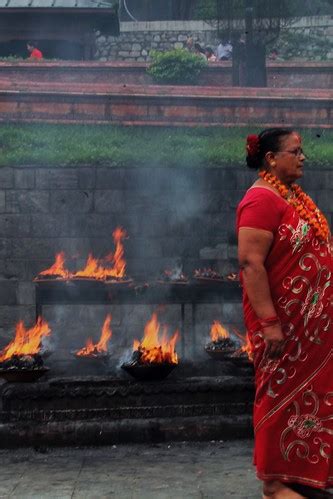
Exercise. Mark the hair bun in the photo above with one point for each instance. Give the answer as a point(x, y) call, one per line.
point(252, 145)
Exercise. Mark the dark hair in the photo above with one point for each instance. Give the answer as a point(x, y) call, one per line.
point(267, 140)
point(198, 47)
point(32, 44)
point(209, 50)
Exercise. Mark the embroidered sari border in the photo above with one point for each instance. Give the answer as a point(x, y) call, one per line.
point(290, 478)
point(293, 393)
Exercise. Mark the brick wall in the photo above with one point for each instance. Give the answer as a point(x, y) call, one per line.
point(311, 75)
point(166, 105)
point(170, 215)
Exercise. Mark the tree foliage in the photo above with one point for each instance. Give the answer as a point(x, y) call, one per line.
point(228, 16)
point(311, 7)
point(183, 9)
point(208, 9)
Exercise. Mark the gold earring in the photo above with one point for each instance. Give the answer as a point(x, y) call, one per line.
point(273, 164)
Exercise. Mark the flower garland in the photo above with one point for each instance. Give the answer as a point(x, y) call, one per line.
point(302, 203)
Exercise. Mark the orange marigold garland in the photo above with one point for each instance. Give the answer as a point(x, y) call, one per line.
point(302, 203)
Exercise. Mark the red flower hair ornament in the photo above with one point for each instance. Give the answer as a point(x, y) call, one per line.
point(252, 145)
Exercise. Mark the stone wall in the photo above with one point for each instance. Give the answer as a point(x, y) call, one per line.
point(137, 39)
point(171, 215)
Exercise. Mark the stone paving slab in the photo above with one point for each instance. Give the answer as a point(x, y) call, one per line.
point(163, 471)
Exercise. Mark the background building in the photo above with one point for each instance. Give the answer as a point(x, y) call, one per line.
point(62, 29)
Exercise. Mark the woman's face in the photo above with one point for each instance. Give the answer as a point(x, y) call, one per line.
point(287, 164)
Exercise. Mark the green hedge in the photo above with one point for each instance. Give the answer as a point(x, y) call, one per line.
point(176, 67)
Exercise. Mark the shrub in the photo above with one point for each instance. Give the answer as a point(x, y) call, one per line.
point(177, 66)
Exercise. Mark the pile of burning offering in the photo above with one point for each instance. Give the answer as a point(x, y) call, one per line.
point(174, 276)
point(56, 271)
point(207, 275)
point(111, 268)
point(154, 357)
point(21, 359)
point(221, 345)
point(233, 276)
point(99, 351)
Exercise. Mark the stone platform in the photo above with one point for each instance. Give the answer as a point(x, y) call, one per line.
point(103, 410)
point(159, 471)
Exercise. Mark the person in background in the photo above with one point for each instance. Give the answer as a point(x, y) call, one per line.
point(224, 50)
point(189, 43)
point(285, 255)
point(35, 53)
point(211, 57)
point(273, 56)
point(198, 50)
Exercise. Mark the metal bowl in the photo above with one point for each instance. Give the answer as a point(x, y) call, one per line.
point(50, 277)
point(220, 353)
point(210, 280)
point(23, 375)
point(118, 282)
point(149, 372)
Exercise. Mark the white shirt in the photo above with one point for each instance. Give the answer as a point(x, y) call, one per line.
point(224, 50)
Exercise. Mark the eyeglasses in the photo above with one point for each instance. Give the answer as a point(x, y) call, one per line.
point(296, 152)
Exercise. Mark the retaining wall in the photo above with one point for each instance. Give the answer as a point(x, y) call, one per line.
point(311, 75)
point(165, 105)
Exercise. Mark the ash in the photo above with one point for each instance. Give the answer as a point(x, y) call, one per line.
point(23, 362)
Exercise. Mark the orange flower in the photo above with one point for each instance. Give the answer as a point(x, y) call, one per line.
point(302, 203)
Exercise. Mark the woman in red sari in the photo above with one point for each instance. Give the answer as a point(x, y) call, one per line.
point(286, 266)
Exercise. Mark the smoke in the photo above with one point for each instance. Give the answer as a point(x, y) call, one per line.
point(125, 358)
point(49, 344)
point(163, 210)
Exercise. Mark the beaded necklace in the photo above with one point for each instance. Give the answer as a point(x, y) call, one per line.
point(302, 203)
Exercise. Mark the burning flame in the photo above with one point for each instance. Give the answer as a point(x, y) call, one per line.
point(119, 263)
point(102, 345)
point(26, 341)
point(58, 268)
point(94, 267)
point(154, 349)
point(246, 347)
point(96, 270)
point(218, 332)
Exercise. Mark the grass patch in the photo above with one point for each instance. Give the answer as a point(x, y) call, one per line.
point(69, 145)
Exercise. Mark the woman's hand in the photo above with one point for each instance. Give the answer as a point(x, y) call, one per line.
point(275, 340)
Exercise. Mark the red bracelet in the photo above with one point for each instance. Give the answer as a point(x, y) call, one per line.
point(270, 321)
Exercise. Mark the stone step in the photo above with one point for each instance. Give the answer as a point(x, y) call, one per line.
point(97, 410)
point(81, 433)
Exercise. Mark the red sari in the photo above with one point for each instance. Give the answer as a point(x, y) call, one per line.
point(293, 411)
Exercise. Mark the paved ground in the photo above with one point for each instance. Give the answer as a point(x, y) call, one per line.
point(177, 471)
